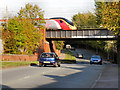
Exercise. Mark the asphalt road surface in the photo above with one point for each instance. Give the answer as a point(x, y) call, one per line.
point(79, 75)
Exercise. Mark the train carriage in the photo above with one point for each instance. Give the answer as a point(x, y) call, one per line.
point(59, 23)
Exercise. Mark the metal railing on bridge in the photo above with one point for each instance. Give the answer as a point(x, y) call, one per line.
point(84, 33)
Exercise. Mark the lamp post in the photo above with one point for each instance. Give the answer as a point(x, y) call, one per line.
point(107, 52)
point(112, 50)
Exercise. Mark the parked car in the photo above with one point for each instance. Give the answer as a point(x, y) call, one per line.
point(96, 59)
point(79, 55)
point(73, 48)
point(49, 59)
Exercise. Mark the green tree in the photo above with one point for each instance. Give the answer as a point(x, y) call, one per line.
point(59, 44)
point(21, 36)
point(31, 12)
point(85, 20)
point(108, 15)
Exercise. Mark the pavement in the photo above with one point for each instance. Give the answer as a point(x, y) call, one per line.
point(108, 77)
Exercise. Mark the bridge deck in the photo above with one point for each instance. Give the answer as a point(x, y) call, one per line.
point(79, 34)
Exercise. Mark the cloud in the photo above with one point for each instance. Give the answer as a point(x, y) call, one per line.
point(65, 8)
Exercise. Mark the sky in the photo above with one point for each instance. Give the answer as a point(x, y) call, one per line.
point(51, 8)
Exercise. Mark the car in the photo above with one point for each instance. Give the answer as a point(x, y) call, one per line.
point(96, 59)
point(73, 48)
point(49, 59)
point(68, 46)
point(79, 55)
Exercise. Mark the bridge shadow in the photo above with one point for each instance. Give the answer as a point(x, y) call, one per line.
point(34, 65)
point(4, 87)
point(82, 60)
point(67, 61)
point(61, 81)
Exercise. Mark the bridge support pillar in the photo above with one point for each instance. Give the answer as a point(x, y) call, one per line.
point(53, 47)
point(44, 45)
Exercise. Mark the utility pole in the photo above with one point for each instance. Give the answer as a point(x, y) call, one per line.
point(7, 16)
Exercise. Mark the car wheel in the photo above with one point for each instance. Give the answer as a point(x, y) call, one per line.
point(45, 65)
point(58, 65)
point(90, 62)
point(100, 63)
point(40, 65)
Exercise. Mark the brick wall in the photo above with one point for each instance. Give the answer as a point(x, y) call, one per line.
point(55, 50)
point(43, 47)
point(6, 57)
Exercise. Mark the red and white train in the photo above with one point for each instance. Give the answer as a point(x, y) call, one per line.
point(57, 23)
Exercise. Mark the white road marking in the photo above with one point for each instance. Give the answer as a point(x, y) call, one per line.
point(26, 77)
point(96, 80)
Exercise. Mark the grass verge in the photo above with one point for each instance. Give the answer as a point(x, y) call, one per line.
point(69, 57)
point(16, 64)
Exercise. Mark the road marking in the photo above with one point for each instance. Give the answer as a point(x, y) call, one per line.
point(26, 77)
point(96, 80)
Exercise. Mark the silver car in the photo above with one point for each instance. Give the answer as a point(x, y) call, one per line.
point(96, 59)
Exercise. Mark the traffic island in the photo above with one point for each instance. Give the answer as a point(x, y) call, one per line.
point(68, 57)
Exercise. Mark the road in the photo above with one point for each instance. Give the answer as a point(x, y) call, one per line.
point(79, 75)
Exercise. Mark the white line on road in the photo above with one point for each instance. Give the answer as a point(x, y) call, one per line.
point(26, 77)
point(96, 80)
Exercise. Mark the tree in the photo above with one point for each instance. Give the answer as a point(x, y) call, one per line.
point(108, 15)
point(59, 44)
point(32, 12)
point(85, 20)
point(21, 36)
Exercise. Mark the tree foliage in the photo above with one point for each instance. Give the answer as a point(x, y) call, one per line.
point(108, 15)
point(32, 12)
point(21, 36)
point(59, 44)
point(85, 20)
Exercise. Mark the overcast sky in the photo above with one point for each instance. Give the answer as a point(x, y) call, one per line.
point(52, 8)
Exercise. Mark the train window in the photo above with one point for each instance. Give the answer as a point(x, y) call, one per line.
point(61, 21)
point(69, 22)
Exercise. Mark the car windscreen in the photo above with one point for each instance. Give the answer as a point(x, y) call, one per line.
point(71, 23)
point(47, 55)
point(96, 57)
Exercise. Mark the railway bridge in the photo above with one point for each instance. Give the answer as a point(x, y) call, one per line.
point(72, 35)
point(79, 34)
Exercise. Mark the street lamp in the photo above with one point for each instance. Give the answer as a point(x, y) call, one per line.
point(107, 52)
point(112, 50)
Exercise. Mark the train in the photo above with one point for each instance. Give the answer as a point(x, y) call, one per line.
point(56, 23)
point(59, 23)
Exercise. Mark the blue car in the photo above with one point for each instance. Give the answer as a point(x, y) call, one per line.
point(49, 59)
point(96, 59)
